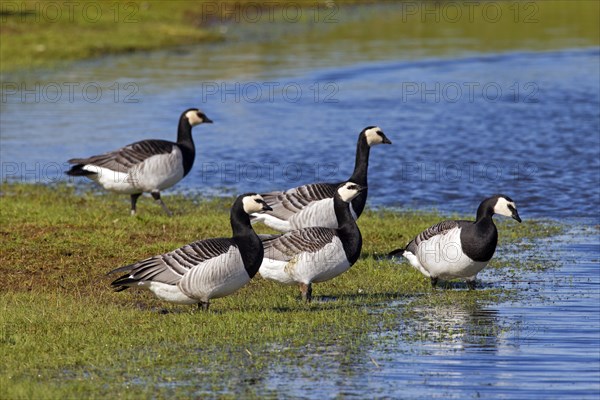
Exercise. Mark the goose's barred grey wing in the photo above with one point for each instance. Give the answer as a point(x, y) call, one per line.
point(285, 204)
point(437, 229)
point(126, 157)
point(267, 236)
point(284, 247)
point(170, 267)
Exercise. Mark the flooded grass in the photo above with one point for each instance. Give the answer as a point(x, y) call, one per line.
point(64, 333)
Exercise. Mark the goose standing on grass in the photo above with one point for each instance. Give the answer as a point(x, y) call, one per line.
point(145, 166)
point(312, 205)
point(459, 249)
point(204, 269)
point(315, 254)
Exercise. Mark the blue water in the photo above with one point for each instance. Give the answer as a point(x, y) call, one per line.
point(523, 349)
point(464, 125)
point(523, 124)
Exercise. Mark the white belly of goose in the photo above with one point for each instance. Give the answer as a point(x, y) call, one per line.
point(327, 263)
point(166, 292)
point(111, 180)
point(442, 256)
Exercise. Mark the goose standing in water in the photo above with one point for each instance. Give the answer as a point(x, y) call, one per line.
point(204, 269)
point(315, 254)
point(459, 249)
point(312, 205)
point(145, 166)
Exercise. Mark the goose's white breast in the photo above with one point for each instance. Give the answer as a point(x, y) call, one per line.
point(324, 264)
point(443, 257)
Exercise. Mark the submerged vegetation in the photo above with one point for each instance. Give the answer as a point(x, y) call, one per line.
point(64, 332)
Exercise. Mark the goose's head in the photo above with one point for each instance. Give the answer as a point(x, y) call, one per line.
point(505, 206)
point(254, 203)
point(349, 190)
point(374, 136)
point(195, 117)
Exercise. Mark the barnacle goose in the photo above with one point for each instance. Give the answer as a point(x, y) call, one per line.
point(459, 249)
point(315, 254)
point(205, 269)
point(144, 166)
point(312, 205)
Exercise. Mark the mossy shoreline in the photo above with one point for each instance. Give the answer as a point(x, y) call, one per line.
point(40, 34)
point(65, 333)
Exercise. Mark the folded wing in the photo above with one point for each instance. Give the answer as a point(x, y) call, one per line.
point(123, 159)
point(285, 246)
point(169, 268)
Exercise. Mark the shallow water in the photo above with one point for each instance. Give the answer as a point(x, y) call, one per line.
point(520, 349)
point(469, 114)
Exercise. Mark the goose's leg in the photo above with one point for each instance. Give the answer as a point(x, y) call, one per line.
point(156, 196)
point(203, 305)
point(134, 199)
point(306, 290)
point(434, 281)
point(471, 283)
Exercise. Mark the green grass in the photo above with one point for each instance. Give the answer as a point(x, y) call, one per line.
point(38, 33)
point(65, 334)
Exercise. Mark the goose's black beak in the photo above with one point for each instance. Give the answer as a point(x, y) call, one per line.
point(515, 215)
point(360, 188)
point(386, 140)
point(266, 207)
point(207, 120)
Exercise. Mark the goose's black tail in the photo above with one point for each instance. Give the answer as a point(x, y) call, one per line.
point(77, 170)
point(396, 253)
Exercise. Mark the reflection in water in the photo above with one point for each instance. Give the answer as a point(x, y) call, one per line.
point(456, 326)
point(543, 345)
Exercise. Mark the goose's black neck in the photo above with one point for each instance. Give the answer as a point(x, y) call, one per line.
point(246, 239)
point(480, 239)
point(186, 143)
point(361, 164)
point(485, 211)
point(348, 231)
point(359, 176)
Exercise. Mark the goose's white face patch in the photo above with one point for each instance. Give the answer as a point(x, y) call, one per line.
point(193, 118)
point(374, 138)
point(502, 207)
point(348, 192)
point(253, 204)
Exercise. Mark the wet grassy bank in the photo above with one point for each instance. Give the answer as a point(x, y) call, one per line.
point(64, 333)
